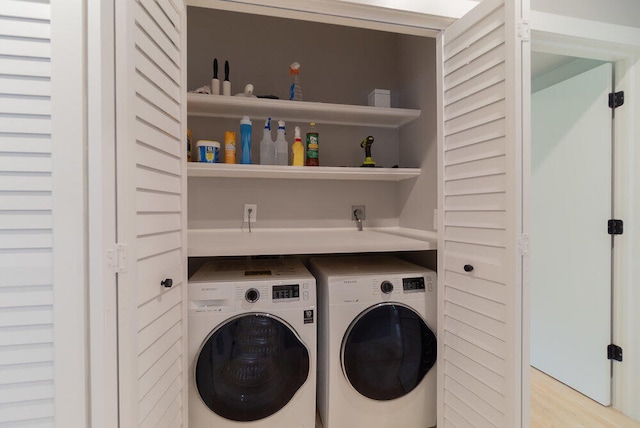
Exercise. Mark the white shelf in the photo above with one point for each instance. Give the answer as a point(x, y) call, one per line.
point(228, 242)
point(195, 169)
point(298, 111)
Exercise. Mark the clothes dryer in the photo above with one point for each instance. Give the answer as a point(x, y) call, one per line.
point(376, 342)
point(252, 345)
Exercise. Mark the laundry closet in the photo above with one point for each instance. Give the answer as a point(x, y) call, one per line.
point(309, 209)
point(448, 176)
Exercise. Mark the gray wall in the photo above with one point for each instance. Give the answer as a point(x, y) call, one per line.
point(339, 65)
point(418, 140)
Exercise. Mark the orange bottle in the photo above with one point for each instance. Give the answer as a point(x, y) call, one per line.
point(229, 147)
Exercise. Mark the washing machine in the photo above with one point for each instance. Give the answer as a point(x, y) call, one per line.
point(252, 345)
point(376, 342)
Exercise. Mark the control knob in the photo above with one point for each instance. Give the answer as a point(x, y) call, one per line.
point(386, 287)
point(252, 295)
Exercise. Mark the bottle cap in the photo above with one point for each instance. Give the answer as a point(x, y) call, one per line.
point(267, 124)
point(245, 120)
point(281, 124)
point(206, 143)
point(297, 132)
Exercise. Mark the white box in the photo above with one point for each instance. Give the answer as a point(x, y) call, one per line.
point(380, 98)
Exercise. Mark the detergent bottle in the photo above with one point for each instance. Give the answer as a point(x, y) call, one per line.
point(297, 150)
point(245, 140)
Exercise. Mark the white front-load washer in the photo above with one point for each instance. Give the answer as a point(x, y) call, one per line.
point(252, 345)
point(376, 342)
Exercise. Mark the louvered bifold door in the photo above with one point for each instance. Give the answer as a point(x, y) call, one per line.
point(26, 216)
point(151, 211)
point(482, 139)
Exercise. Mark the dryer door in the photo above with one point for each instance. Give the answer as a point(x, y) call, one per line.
point(250, 367)
point(387, 350)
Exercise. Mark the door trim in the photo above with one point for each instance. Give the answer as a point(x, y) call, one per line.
point(69, 203)
point(101, 214)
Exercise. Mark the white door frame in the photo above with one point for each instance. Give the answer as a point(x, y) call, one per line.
point(621, 45)
point(103, 317)
point(68, 138)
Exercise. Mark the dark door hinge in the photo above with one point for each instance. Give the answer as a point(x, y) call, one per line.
point(614, 352)
point(614, 227)
point(616, 99)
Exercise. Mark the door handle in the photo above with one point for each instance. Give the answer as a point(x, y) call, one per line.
point(167, 283)
point(468, 268)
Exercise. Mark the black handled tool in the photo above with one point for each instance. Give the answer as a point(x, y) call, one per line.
point(366, 144)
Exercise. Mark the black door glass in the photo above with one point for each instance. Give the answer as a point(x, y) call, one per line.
point(251, 367)
point(387, 352)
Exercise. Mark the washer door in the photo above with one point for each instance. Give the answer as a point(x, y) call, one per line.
point(387, 350)
point(250, 367)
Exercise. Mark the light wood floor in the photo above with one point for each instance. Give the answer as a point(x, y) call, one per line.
point(555, 405)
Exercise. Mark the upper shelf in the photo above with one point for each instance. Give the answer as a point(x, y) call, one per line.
point(298, 111)
point(196, 169)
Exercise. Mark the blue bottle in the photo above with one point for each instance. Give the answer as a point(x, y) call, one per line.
point(245, 140)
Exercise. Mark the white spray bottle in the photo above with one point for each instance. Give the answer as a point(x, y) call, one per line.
point(267, 146)
point(282, 147)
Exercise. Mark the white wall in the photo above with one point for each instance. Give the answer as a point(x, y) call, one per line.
point(620, 12)
point(450, 8)
point(627, 247)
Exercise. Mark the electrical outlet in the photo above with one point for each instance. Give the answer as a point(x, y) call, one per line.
point(362, 215)
point(254, 213)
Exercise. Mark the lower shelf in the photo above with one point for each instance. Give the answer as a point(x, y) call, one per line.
point(197, 169)
point(227, 242)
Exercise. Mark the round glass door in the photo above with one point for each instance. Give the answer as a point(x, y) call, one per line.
point(250, 367)
point(387, 351)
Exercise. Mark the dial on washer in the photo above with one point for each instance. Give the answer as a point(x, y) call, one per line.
point(252, 295)
point(386, 287)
